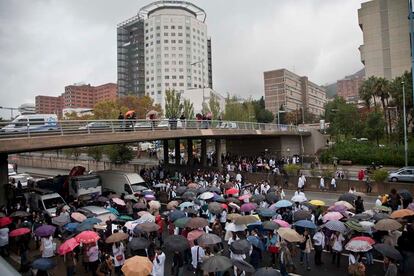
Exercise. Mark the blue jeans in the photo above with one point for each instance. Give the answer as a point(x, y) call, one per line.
point(368, 256)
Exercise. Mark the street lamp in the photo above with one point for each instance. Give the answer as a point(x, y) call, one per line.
point(405, 127)
point(202, 73)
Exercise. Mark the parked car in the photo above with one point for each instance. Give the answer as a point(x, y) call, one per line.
point(96, 126)
point(97, 212)
point(405, 174)
point(231, 125)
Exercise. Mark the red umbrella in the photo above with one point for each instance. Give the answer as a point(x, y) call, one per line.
point(363, 238)
point(224, 206)
point(232, 191)
point(4, 221)
point(19, 232)
point(87, 237)
point(68, 246)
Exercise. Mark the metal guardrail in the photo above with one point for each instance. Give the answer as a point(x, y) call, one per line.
point(71, 127)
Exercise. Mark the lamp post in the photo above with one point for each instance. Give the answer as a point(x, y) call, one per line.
point(405, 126)
point(411, 20)
point(202, 73)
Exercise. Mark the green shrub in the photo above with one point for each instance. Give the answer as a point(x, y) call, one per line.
point(380, 175)
point(292, 169)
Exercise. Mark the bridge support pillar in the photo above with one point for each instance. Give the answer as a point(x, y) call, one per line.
point(190, 159)
point(4, 177)
point(218, 153)
point(204, 152)
point(166, 157)
point(177, 152)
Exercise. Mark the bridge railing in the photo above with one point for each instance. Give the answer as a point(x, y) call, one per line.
point(10, 129)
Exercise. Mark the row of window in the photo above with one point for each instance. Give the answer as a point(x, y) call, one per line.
point(172, 27)
point(158, 35)
point(173, 41)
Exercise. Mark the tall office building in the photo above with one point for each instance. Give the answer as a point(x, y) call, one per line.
point(293, 92)
point(164, 47)
point(385, 27)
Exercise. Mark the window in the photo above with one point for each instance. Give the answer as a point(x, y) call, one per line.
point(180, 27)
point(167, 77)
point(172, 34)
point(165, 40)
point(165, 27)
point(165, 34)
point(172, 27)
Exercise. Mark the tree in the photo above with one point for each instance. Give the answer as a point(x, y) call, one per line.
point(235, 110)
point(75, 152)
point(366, 91)
point(141, 105)
point(188, 109)
point(381, 90)
point(264, 116)
point(214, 106)
point(173, 105)
point(96, 152)
point(375, 125)
point(108, 110)
point(119, 154)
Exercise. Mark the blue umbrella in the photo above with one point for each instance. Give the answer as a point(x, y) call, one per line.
point(84, 226)
point(255, 241)
point(71, 227)
point(255, 225)
point(92, 220)
point(266, 213)
point(44, 264)
point(176, 215)
point(283, 203)
point(113, 211)
point(305, 224)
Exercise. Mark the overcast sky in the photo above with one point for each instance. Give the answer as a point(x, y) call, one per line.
point(48, 44)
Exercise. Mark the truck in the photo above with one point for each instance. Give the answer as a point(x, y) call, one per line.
point(119, 182)
point(46, 201)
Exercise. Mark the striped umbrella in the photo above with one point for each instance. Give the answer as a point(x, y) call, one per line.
point(335, 225)
point(358, 246)
point(354, 225)
point(364, 238)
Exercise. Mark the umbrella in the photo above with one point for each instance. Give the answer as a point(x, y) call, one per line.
point(61, 220)
point(405, 194)
point(87, 237)
point(283, 203)
point(335, 225)
point(267, 271)
point(317, 202)
point(129, 113)
point(198, 222)
point(4, 221)
point(130, 197)
point(305, 224)
point(19, 232)
point(348, 205)
point(219, 198)
point(388, 251)
point(246, 219)
point(338, 208)
point(186, 205)
point(246, 196)
point(84, 226)
point(181, 222)
point(380, 216)
point(299, 198)
point(361, 216)
point(154, 204)
point(332, 216)
point(206, 195)
point(176, 243)
point(138, 206)
point(244, 266)
point(143, 213)
point(43, 264)
point(257, 198)
point(138, 243)
point(137, 266)
point(387, 225)
point(234, 206)
point(402, 213)
point(216, 264)
point(282, 223)
point(172, 205)
point(266, 213)
point(116, 237)
point(270, 225)
point(232, 191)
point(383, 208)
point(92, 220)
point(255, 241)
point(208, 239)
point(100, 226)
point(160, 185)
point(367, 225)
point(113, 211)
point(145, 218)
point(148, 227)
point(102, 199)
point(240, 247)
point(125, 218)
point(228, 185)
point(71, 227)
point(45, 230)
point(301, 215)
point(149, 197)
point(67, 246)
point(235, 228)
point(233, 200)
point(354, 225)
point(290, 235)
point(78, 216)
point(348, 197)
point(215, 207)
point(181, 190)
point(192, 186)
point(118, 201)
point(189, 195)
point(271, 198)
point(364, 238)
point(20, 214)
point(247, 207)
point(214, 190)
point(174, 215)
point(195, 234)
point(152, 113)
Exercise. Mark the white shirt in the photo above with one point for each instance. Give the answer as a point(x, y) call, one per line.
point(322, 183)
point(351, 259)
point(116, 251)
point(47, 248)
point(333, 182)
point(319, 239)
point(197, 250)
point(238, 177)
point(158, 265)
point(223, 217)
point(337, 244)
point(378, 202)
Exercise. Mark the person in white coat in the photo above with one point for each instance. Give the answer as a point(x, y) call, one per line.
point(158, 263)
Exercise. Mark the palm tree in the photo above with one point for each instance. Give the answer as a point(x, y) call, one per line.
point(381, 90)
point(366, 92)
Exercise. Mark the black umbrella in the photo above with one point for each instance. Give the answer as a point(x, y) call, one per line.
point(301, 215)
point(138, 243)
point(102, 199)
point(189, 195)
point(215, 207)
point(214, 190)
point(201, 190)
point(257, 198)
point(388, 251)
point(216, 264)
point(405, 194)
point(362, 216)
point(380, 216)
point(272, 198)
point(240, 247)
point(270, 225)
point(209, 239)
point(176, 243)
point(84, 226)
point(348, 197)
point(234, 200)
point(244, 266)
point(267, 271)
point(181, 190)
point(176, 214)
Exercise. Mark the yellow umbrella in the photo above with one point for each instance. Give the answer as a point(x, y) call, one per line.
point(137, 266)
point(317, 202)
point(290, 235)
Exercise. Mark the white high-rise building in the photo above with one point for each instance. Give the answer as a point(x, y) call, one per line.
point(176, 49)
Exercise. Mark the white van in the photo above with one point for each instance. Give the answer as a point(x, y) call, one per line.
point(24, 178)
point(121, 182)
point(11, 170)
point(32, 123)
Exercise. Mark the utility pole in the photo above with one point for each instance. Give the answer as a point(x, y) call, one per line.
point(405, 127)
point(411, 21)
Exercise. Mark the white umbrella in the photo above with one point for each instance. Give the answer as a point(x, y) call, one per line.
point(154, 204)
point(145, 218)
point(206, 195)
point(235, 228)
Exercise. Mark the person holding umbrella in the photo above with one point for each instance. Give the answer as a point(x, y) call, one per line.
point(197, 255)
point(285, 259)
point(306, 247)
point(4, 241)
point(337, 239)
point(47, 247)
point(118, 252)
point(158, 263)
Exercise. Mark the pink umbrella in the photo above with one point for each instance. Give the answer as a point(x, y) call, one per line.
point(282, 223)
point(78, 216)
point(195, 234)
point(149, 197)
point(246, 196)
point(332, 216)
point(337, 208)
point(87, 237)
point(234, 205)
point(247, 207)
point(67, 246)
point(363, 238)
point(118, 201)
